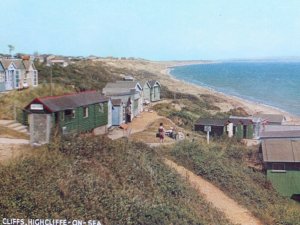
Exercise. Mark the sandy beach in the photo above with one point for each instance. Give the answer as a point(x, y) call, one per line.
point(223, 101)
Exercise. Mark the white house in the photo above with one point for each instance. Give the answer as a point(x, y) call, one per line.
point(19, 74)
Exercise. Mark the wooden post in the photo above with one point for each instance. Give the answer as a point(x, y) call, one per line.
point(15, 112)
point(207, 137)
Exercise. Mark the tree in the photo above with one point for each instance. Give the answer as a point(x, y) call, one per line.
point(11, 48)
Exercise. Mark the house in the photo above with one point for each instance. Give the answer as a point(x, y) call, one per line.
point(2, 78)
point(155, 89)
point(72, 113)
point(238, 127)
point(146, 91)
point(118, 112)
point(282, 164)
point(31, 74)
point(57, 60)
point(271, 119)
point(19, 74)
point(130, 93)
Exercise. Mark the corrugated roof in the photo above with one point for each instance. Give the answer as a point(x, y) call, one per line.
point(278, 150)
point(71, 101)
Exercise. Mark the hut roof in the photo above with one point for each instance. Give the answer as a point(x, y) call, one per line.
point(70, 101)
point(271, 118)
point(211, 122)
point(121, 87)
point(278, 150)
point(280, 134)
point(153, 82)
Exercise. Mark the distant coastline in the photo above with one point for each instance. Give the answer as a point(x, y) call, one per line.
point(250, 106)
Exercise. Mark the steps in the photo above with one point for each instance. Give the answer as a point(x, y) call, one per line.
point(12, 124)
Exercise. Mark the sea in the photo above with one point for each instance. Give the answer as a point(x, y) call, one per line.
point(275, 84)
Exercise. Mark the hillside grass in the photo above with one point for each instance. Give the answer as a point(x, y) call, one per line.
point(116, 182)
point(83, 75)
point(20, 99)
point(224, 163)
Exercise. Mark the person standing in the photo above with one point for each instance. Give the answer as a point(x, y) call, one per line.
point(161, 132)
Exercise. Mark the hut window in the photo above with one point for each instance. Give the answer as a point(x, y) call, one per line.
point(278, 167)
point(70, 113)
point(101, 107)
point(85, 112)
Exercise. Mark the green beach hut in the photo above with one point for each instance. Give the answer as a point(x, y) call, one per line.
point(281, 159)
point(73, 113)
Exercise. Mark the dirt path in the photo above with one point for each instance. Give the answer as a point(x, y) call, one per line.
point(138, 124)
point(236, 213)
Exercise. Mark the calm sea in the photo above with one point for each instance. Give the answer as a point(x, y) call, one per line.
point(275, 84)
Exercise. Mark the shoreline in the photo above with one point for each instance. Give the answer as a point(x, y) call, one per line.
point(228, 101)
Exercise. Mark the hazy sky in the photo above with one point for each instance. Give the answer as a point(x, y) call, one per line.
point(153, 29)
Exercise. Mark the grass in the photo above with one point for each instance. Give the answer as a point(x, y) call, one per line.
point(224, 164)
point(20, 99)
point(115, 182)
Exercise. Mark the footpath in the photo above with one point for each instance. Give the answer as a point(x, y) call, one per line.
point(236, 213)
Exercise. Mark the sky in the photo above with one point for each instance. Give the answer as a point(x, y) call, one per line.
point(153, 29)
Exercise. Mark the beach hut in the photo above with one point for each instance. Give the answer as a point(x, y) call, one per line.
point(118, 112)
point(146, 92)
point(217, 126)
point(241, 128)
point(155, 90)
point(130, 93)
point(244, 127)
point(71, 113)
point(282, 164)
point(271, 119)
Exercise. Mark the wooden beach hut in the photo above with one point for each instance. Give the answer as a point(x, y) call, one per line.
point(282, 164)
point(118, 112)
point(155, 89)
point(71, 113)
point(241, 128)
point(146, 91)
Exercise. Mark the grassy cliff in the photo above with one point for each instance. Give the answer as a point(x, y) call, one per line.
point(115, 182)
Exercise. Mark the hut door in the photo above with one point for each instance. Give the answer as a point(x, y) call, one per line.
point(245, 131)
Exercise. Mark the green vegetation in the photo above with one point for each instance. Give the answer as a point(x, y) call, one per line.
point(19, 99)
point(84, 75)
point(225, 164)
point(116, 182)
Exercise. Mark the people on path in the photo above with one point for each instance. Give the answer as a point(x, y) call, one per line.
point(161, 132)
